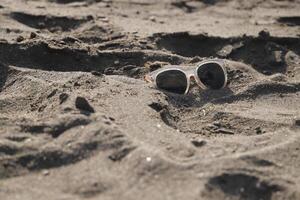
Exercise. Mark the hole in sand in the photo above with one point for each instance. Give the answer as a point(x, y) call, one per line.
point(48, 56)
point(51, 23)
point(265, 54)
point(290, 21)
point(3, 75)
point(243, 186)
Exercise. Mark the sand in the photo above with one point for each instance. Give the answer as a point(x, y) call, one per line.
point(77, 120)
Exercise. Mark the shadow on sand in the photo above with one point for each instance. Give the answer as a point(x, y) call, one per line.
point(3, 75)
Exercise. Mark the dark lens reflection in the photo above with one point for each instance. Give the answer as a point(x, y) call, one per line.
point(212, 75)
point(172, 81)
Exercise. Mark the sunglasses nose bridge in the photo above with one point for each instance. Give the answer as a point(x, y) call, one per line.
point(191, 78)
point(189, 74)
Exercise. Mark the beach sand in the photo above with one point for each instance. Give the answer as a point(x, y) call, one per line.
point(77, 120)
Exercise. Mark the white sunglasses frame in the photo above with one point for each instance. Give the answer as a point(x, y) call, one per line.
point(189, 71)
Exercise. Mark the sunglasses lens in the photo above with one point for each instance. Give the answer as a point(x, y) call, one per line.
point(212, 75)
point(172, 81)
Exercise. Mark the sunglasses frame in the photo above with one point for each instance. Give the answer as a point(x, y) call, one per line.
point(190, 72)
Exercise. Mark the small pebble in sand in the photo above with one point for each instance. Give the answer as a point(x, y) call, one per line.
point(20, 38)
point(225, 51)
point(28, 140)
point(158, 126)
point(63, 97)
point(198, 143)
point(104, 19)
point(135, 71)
point(76, 84)
point(148, 159)
point(152, 18)
point(111, 119)
point(32, 35)
point(196, 59)
point(90, 17)
point(128, 67)
point(217, 123)
point(258, 130)
point(82, 104)
point(266, 72)
point(225, 131)
point(109, 71)
point(143, 41)
point(96, 73)
point(45, 172)
point(152, 66)
point(264, 34)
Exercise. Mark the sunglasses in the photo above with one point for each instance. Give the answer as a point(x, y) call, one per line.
point(210, 74)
